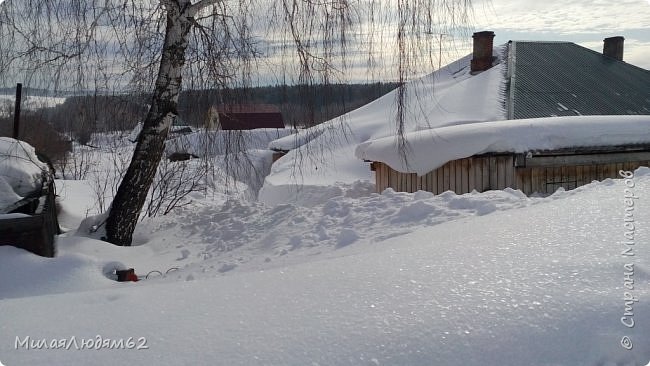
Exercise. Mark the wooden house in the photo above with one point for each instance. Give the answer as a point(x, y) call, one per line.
point(543, 79)
point(245, 117)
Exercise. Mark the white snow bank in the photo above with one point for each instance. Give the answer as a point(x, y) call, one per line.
point(77, 201)
point(19, 166)
point(430, 149)
point(537, 285)
point(25, 274)
point(324, 155)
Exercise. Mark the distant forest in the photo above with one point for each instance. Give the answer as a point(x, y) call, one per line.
point(301, 105)
point(79, 116)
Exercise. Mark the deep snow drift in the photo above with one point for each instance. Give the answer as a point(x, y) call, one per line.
point(491, 278)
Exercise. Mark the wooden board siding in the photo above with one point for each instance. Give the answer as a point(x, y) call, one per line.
point(460, 176)
point(487, 172)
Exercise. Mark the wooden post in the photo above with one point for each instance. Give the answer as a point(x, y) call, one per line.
point(19, 93)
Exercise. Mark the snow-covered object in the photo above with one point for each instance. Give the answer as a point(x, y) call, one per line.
point(7, 194)
point(430, 149)
point(19, 166)
point(321, 155)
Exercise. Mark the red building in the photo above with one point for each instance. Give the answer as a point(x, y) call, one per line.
point(247, 116)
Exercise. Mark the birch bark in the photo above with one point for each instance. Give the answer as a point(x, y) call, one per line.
point(132, 192)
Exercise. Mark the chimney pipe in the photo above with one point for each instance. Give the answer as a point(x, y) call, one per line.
point(482, 55)
point(613, 47)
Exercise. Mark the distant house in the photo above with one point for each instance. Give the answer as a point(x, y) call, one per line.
point(245, 117)
point(541, 80)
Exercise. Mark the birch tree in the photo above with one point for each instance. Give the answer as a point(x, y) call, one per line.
point(132, 193)
point(151, 46)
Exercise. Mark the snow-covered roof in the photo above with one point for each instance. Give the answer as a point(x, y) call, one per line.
point(430, 149)
point(449, 96)
point(528, 79)
point(324, 154)
point(545, 79)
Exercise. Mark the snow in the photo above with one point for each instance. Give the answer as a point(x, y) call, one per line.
point(11, 216)
point(29, 102)
point(220, 142)
point(7, 194)
point(20, 170)
point(331, 273)
point(430, 149)
point(321, 156)
point(492, 278)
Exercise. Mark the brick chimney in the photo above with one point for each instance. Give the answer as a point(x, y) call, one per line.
point(482, 55)
point(613, 47)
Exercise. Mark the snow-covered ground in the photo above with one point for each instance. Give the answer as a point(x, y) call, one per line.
point(360, 278)
point(329, 272)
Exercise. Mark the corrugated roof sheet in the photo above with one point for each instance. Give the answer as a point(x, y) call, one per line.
point(564, 79)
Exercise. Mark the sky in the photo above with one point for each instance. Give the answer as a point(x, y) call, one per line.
point(585, 22)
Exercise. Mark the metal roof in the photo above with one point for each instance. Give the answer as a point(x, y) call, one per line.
point(564, 79)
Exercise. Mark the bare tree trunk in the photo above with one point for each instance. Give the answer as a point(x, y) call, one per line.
point(132, 193)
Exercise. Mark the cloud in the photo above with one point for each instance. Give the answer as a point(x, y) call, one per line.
point(580, 16)
point(636, 53)
point(585, 22)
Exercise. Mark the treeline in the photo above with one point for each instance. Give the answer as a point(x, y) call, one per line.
point(80, 116)
point(301, 105)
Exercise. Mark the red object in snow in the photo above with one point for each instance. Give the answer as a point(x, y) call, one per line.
point(126, 275)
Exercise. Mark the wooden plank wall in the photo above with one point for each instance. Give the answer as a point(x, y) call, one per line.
point(460, 176)
point(547, 180)
point(483, 173)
